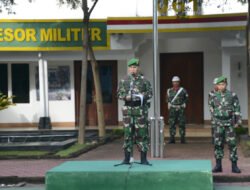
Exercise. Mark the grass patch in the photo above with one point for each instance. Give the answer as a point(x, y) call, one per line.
point(248, 144)
point(241, 131)
point(71, 150)
point(23, 153)
point(118, 132)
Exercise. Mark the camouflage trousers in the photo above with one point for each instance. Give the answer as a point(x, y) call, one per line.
point(224, 134)
point(212, 129)
point(177, 116)
point(135, 125)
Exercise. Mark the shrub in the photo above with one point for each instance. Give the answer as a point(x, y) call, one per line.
point(5, 101)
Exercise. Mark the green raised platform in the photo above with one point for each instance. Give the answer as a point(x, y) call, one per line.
point(102, 175)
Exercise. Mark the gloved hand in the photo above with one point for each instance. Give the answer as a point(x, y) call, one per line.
point(211, 110)
point(238, 124)
point(137, 97)
point(128, 98)
point(183, 105)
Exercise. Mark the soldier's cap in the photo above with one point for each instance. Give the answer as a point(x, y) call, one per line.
point(221, 79)
point(215, 80)
point(133, 61)
point(176, 79)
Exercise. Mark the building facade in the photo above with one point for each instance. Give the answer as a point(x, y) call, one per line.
point(197, 48)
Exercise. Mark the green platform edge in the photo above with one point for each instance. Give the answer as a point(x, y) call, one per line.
point(102, 175)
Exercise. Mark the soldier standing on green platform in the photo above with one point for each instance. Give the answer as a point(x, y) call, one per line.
point(177, 98)
point(210, 96)
point(225, 109)
point(136, 92)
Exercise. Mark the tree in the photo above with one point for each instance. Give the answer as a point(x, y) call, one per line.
point(88, 52)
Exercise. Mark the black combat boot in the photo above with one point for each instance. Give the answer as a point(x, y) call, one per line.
point(126, 158)
point(235, 168)
point(171, 140)
point(183, 140)
point(218, 166)
point(144, 160)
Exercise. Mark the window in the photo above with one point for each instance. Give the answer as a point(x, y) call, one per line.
point(4, 79)
point(20, 83)
point(106, 82)
point(58, 83)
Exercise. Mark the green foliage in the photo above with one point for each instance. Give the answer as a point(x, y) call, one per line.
point(73, 4)
point(243, 1)
point(241, 130)
point(248, 143)
point(5, 101)
point(118, 132)
point(7, 5)
point(245, 145)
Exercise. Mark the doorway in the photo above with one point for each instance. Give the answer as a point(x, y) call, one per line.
point(189, 67)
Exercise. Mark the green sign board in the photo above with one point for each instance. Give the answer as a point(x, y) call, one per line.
point(49, 35)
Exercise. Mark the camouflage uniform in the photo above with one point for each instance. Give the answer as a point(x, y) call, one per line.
point(135, 115)
point(225, 111)
point(210, 96)
point(176, 111)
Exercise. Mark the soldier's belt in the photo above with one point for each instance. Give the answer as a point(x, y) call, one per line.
point(176, 106)
point(133, 103)
point(132, 111)
point(223, 117)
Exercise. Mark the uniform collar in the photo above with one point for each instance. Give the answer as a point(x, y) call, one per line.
point(137, 76)
point(176, 88)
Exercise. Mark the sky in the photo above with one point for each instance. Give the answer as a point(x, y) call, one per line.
point(49, 9)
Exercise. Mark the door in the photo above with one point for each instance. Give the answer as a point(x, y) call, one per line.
point(189, 67)
point(108, 77)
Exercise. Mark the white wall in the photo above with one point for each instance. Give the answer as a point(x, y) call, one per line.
point(239, 81)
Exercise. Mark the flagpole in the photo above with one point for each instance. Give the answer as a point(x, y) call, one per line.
point(156, 97)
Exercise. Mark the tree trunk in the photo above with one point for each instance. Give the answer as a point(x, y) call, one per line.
point(88, 50)
point(98, 90)
point(248, 64)
point(82, 114)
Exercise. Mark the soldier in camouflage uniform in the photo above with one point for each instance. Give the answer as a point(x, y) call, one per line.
point(177, 98)
point(211, 95)
point(136, 92)
point(225, 109)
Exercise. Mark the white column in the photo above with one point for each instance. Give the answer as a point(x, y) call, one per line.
point(43, 86)
point(46, 88)
point(226, 67)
